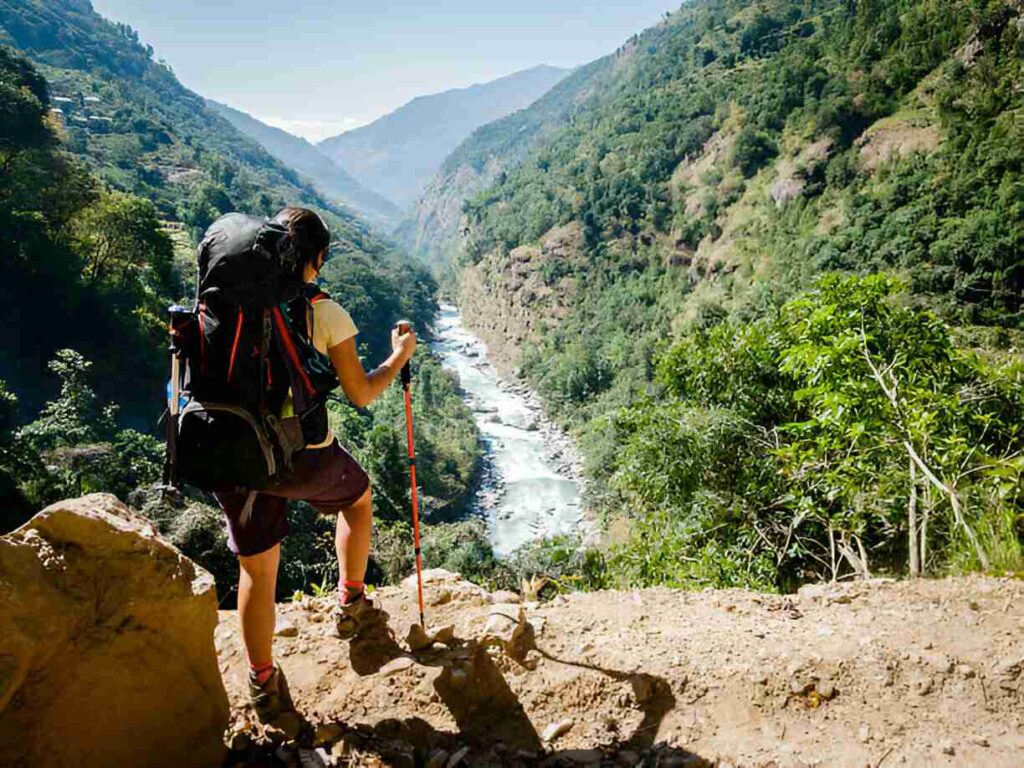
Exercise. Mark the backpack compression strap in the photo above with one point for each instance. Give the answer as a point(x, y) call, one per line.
point(303, 307)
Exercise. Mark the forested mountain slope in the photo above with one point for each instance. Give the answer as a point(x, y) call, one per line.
point(143, 132)
point(299, 154)
point(481, 159)
point(398, 154)
point(100, 207)
point(667, 240)
point(140, 132)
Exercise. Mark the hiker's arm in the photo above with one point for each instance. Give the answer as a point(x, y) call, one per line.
point(363, 388)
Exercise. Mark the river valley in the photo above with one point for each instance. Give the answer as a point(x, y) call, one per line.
point(530, 487)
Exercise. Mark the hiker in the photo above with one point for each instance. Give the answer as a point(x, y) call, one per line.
point(324, 475)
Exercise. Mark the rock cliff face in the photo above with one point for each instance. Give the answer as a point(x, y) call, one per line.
point(106, 644)
point(510, 299)
point(434, 231)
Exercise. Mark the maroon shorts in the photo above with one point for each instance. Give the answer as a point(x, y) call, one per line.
point(328, 479)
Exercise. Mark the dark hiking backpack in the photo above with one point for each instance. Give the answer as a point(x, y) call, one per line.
point(245, 345)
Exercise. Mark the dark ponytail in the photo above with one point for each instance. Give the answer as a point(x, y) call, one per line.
point(308, 230)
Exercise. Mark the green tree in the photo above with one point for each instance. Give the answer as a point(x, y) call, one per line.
point(119, 240)
point(889, 396)
point(82, 449)
point(17, 462)
point(25, 101)
point(76, 416)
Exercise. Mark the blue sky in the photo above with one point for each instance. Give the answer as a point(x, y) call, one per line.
point(318, 67)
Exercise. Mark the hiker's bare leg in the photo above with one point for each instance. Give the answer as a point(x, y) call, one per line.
point(257, 585)
point(352, 539)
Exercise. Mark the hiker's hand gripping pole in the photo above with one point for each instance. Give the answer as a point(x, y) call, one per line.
point(403, 328)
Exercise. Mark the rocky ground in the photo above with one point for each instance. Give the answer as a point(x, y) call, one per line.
point(925, 673)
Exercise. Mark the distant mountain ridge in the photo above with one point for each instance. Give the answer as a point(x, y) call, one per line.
point(299, 154)
point(398, 155)
point(432, 230)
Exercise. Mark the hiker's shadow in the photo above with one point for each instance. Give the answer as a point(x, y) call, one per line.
point(374, 645)
point(469, 684)
point(488, 713)
point(479, 698)
point(652, 694)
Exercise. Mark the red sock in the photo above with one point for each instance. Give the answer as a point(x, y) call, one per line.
point(350, 591)
point(261, 672)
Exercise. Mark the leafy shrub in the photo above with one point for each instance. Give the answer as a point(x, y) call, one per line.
point(752, 150)
point(564, 561)
point(461, 547)
point(788, 448)
point(707, 546)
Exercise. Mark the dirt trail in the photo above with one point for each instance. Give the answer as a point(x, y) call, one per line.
point(926, 673)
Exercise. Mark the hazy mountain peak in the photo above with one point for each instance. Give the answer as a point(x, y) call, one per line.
point(398, 154)
point(305, 158)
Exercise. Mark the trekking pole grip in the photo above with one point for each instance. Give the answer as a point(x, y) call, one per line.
point(403, 327)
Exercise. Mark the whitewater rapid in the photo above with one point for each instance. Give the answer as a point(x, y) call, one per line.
point(528, 491)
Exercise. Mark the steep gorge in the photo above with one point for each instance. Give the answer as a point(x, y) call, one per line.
point(731, 187)
point(739, 164)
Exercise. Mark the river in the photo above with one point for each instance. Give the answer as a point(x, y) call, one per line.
point(529, 490)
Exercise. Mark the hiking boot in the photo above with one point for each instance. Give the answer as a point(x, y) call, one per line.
point(350, 619)
point(271, 699)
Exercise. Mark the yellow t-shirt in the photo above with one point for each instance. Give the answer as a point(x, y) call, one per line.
point(331, 326)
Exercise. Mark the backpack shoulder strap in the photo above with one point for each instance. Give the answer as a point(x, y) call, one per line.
point(315, 293)
point(311, 294)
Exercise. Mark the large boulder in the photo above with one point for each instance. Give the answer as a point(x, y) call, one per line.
point(106, 644)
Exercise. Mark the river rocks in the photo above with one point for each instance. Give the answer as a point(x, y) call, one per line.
point(538, 457)
point(106, 644)
point(507, 298)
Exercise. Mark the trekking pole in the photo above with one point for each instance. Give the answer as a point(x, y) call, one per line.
point(403, 327)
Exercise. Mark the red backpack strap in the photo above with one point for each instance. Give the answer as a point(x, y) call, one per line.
point(234, 346)
point(284, 335)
